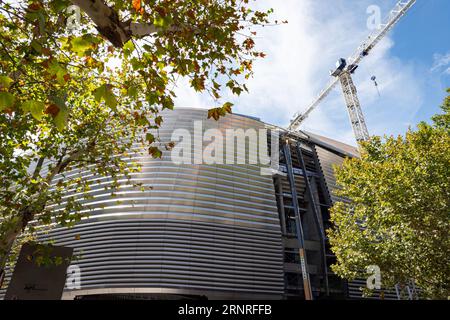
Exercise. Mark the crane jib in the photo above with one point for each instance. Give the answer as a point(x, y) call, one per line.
point(352, 62)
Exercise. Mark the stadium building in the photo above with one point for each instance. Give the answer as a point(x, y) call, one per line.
point(213, 231)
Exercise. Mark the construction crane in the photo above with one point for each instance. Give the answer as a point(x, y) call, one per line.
point(345, 69)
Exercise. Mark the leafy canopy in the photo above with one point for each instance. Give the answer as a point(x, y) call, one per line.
point(398, 216)
point(81, 89)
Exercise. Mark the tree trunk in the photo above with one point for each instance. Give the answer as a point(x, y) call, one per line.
point(6, 243)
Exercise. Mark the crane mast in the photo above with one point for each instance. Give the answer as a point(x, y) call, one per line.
point(345, 69)
point(353, 107)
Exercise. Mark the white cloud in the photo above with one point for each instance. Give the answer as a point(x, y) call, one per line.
point(188, 97)
point(441, 63)
point(299, 56)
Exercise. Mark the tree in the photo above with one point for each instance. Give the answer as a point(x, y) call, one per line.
point(82, 81)
point(398, 214)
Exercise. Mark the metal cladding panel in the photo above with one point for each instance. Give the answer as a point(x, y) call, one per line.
point(201, 227)
point(164, 253)
point(328, 159)
point(355, 291)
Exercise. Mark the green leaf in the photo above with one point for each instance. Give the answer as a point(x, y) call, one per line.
point(59, 5)
point(36, 46)
point(80, 46)
point(163, 22)
point(132, 92)
point(6, 100)
point(128, 48)
point(105, 93)
point(158, 120)
point(41, 18)
point(62, 116)
point(99, 93)
point(58, 71)
point(158, 22)
point(216, 113)
point(36, 108)
point(155, 152)
point(227, 107)
point(110, 100)
point(150, 137)
point(5, 82)
point(167, 21)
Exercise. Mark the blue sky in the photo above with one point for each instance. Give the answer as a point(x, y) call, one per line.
point(412, 66)
point(423, 34)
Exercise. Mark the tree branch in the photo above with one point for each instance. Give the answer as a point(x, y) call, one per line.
point(106, 20)
point(111, 27)
point(146, 29)
point(38, 168)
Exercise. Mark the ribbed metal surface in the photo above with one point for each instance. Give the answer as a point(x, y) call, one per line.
point(163, 253)
point(328, 159)
point(355, 291)
point(202, 228)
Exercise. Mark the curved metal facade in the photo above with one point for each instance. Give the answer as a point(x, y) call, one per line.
point(210, 230)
